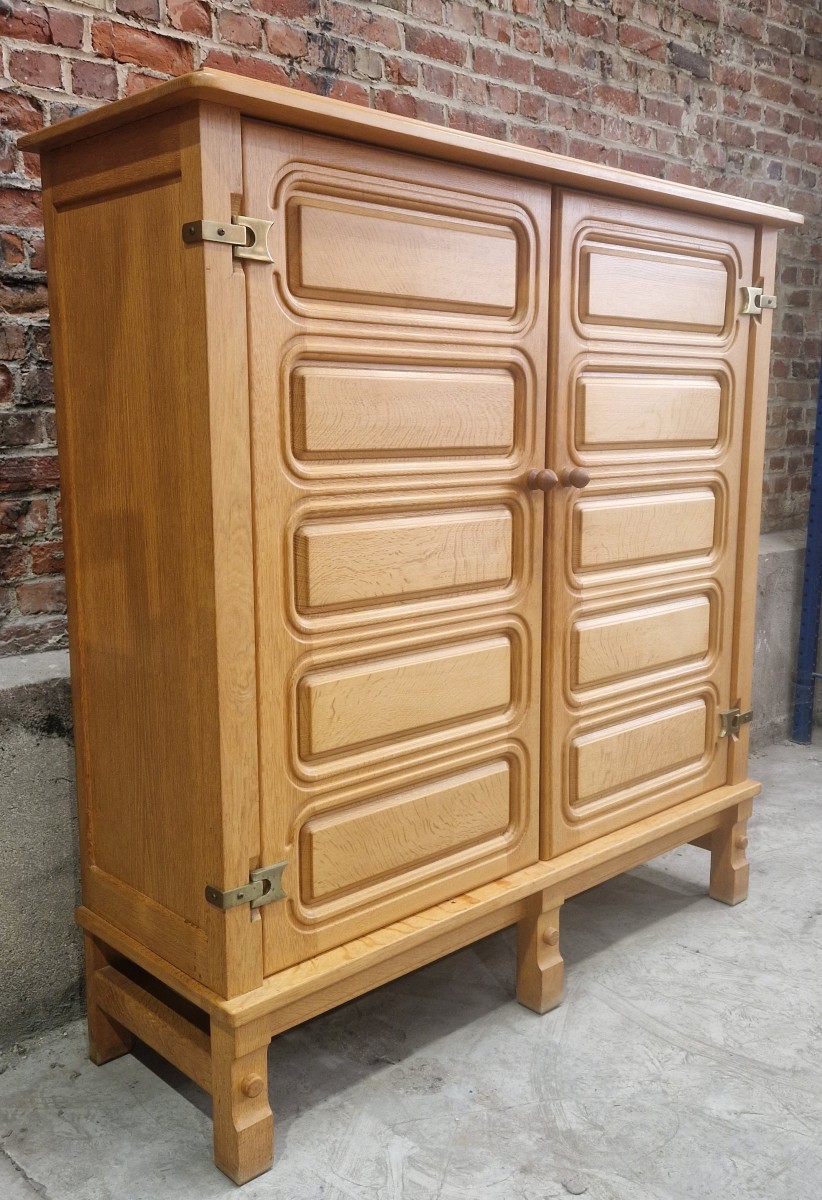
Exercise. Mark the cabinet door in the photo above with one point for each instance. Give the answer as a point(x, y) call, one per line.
point(649, 360)
point(398, 351)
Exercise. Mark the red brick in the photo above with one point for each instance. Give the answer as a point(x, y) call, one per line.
point(560, 83)
point(352, 93)
point(401, 71)
point(20, 207)
point(243, 64)
point(497, 27)
point(532, 106)
point(285, 40)
point(42, 596)
point(474, 122)
point(362, 23)
point(634, 37)
point(293, 9)
point(588, 24)
point(20, 429)
point(471, 90)
point(12, 250)
point(462, 17)
point(527, 39)
point(142, 48)
point(525, 8)
point(138, 81)
point(47, 558)
point(240, 29)
point(14, 563)
point(32, 472)
point(189, 16)
point(145, 10)
point(665, 111)
point(24, 22)
point(731, 76)
point(504, 99)
point(438, 79)
point(94, 79)
point(772, 89)
point(427, 10)
point(66, 28)
point(435, 45)
point(19, 113)
point(23, 518)
point(36, 68)
point(746, 22)
point(539, 138)
point(616, 97)
point(402, 104)
point(708, 10)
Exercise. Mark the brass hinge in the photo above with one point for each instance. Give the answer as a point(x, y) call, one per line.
point(264, 885)
point(732, 722)
point(248, 236)
point(756, 300)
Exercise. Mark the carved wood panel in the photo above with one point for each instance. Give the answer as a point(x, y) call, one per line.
point(649, 361)
point(398, 353)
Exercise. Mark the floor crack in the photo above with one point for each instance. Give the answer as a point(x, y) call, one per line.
point(39, 1188)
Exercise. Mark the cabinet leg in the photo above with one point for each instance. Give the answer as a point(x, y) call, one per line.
point(540, 969)
point(243, 1122)
point(729, 865)
point(106, 1038)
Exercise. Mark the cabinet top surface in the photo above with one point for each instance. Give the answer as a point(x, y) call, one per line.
point(318, 114)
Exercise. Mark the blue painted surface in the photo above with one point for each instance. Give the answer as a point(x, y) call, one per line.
point(808, 649)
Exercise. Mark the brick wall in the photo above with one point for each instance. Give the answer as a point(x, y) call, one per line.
point(720, 94)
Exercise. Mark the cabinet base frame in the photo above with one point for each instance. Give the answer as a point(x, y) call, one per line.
point(221, 1044)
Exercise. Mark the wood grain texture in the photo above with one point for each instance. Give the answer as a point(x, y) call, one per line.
point(350, 563)
point(613, 531)
point(374, 254)
point(625, 642)
point(654, 744)
point(644, 664)
point(540, 969)
point(645, 410)
point(350, 847)
point(150, 578)
point(316, 114)
point(635, 286)
point(384, 413)
point(400, 644)
point(155, 1023)
point(392, 697)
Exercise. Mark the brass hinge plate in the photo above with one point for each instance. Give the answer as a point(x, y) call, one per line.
point(756, 300)
point(732, 722)
point(264, 885)
point(248, 236)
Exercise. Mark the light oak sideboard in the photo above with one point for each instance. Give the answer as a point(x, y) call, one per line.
point(411, 496)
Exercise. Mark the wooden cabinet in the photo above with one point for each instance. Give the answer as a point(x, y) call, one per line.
point(411, 492)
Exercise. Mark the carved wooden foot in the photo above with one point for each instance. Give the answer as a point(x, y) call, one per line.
point(107, 1039)
point(243, 1122)
point(540, 969)
point(729, 865)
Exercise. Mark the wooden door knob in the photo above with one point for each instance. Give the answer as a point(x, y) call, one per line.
point(576, 477)
point(542, 481)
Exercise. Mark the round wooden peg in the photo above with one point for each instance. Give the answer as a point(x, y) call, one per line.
point(576, 477)
point(741, 842)
point(542, 480)
point(551, 936)
point(252, 1085)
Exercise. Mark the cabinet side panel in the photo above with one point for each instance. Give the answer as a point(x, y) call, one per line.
point(127, 306)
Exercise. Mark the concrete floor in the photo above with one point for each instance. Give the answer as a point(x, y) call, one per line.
point(686, 1061)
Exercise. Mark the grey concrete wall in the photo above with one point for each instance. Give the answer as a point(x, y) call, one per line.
point(778, 598)
point(39, 883)
point(39, 945)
